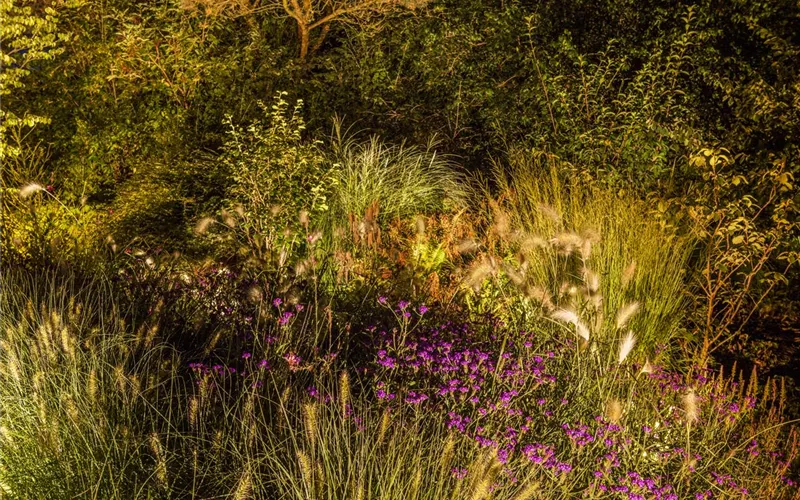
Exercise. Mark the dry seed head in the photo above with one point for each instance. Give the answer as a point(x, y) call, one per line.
point(628, 273)
point(568, 316)
point(549, 212)
point(567, 243)
point(12, 365)
point(68, 342)
point(91, 385)
point(532, 242)
point(613, 410)
point(5, 434)
point(447, 453)
point(690, 406)
point(344, 391)
point(305, 468)
point(228, 219)
point(527, 492)
point(202, 225)
point(466, 246)
point(244, 487)
point(420, 226)
point(194, 406)
point(310, 419)
point(385, 420)
point(151, 335)
point(540, 295)
point(625, 313)
point(515, 277)
point(626, 346)
point(592, 281)
point(415, 485)
point(29, 189)
point(647, 368)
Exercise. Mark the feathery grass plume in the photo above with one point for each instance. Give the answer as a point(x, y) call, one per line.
point(194, 406)
point(416, 483)
point(549, 212)
point(466, 246)
point(29, 189)
point(484, 474)
point(158, 454)
point(628, 273)
point(690, 406)
point(592, 280)
point(568, 316)
point(532, 242)
point(119, 378)
point(540, 295)
point(385, 420)
point(360, 489)
point(68, 343)
point(625, 346)
point(344, 392)
point(203, 224)
point(613, 410)
point(516, 277)
point(91, 386)
point(310, 420)
point(419, 222)
point(244, 487)
point(481, 269)
point(566, 243)
point(306, 470)
point(228, 219)
point(625, 313)
point(12, 364)
point(527, 492)
point(447, 455)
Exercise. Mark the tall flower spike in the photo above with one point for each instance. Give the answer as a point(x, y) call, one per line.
point(626, 346)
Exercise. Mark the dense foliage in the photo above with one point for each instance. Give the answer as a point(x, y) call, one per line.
point(399, 249)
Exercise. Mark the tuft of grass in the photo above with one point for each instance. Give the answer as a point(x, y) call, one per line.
point(403, 180)
point(609, 242)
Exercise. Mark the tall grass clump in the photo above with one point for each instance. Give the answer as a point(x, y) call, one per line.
point(77, 394)
point(632, 265)
point(402, 180)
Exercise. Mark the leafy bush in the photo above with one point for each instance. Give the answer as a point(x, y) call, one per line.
point(275, 174)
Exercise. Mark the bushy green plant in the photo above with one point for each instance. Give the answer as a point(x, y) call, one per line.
point(31, 36)
point(275, 173)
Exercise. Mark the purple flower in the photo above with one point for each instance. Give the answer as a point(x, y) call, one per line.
point(263, 364)
point(246, 355)
point(285, 317)
point(277, 302)
point(402, 304)
point(423, 309)
point(382, 300)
